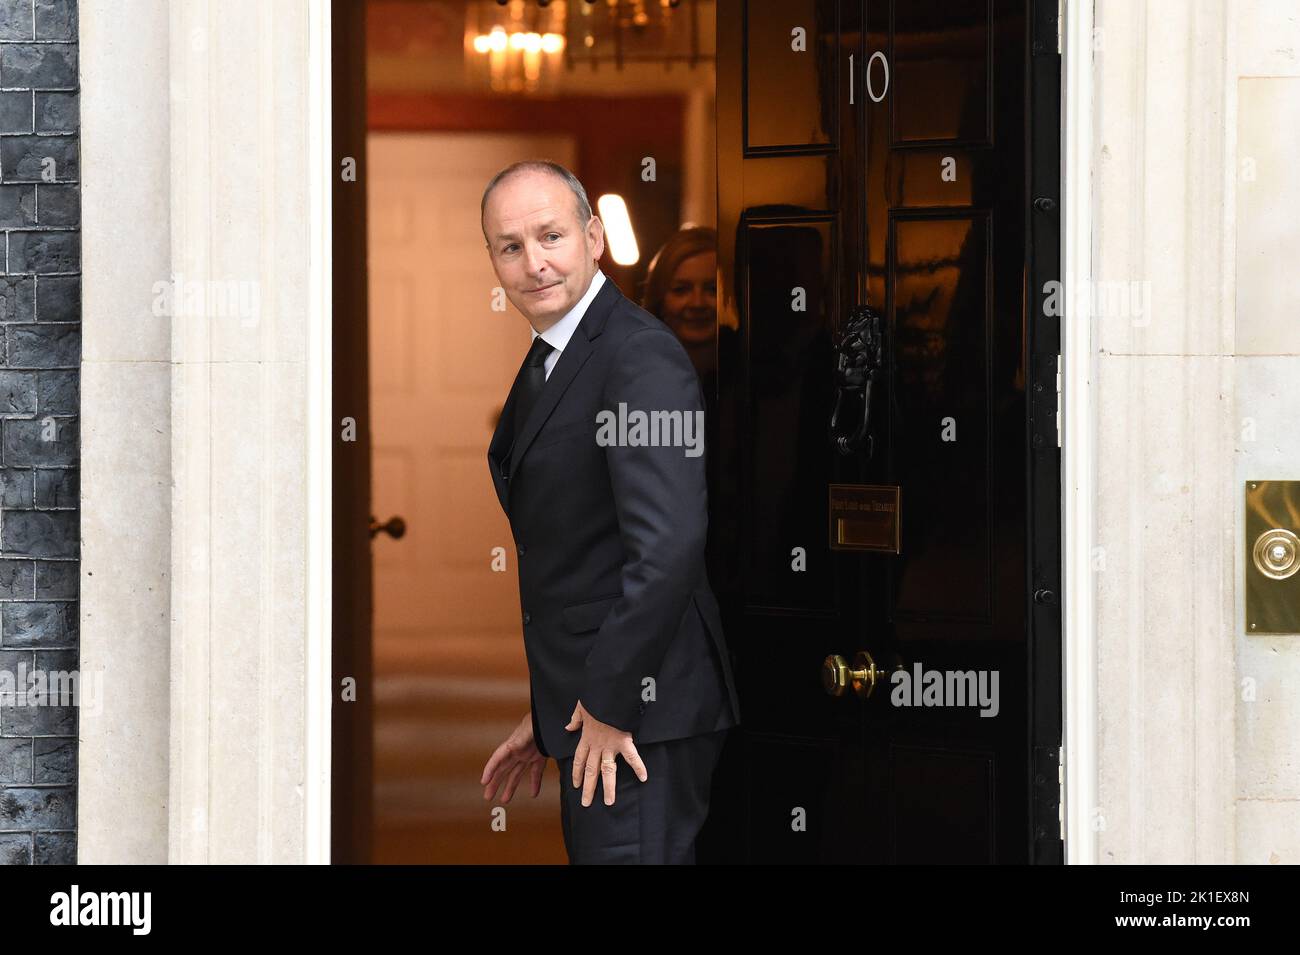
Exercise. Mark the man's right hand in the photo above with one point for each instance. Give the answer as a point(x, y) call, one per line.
point(509, 761)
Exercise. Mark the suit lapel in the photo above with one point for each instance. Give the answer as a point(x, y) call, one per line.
point(499, 447)
point(575, 355)
point(571, 360)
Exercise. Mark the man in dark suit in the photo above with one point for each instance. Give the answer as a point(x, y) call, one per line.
point(622, 633)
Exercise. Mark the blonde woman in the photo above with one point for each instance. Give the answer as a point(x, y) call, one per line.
point(681, 289)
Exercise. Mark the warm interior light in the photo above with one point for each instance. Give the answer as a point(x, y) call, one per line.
point(518, 60)
point(498, 40)
point(618, 229)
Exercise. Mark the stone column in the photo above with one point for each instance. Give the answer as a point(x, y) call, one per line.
point(203, 231)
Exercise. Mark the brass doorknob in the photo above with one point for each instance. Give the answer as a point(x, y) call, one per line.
point(838, 676)
point(394, 527)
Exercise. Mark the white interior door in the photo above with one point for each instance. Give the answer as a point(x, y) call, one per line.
point(450, 672)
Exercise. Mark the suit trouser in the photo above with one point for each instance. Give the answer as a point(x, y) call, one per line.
point(651, 823)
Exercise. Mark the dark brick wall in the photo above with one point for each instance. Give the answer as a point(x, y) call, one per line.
point(40, 357)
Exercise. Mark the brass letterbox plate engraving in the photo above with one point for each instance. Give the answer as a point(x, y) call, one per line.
point(1272, 557)
point(865, 517)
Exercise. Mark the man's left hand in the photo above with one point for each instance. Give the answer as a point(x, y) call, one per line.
point(597, 753)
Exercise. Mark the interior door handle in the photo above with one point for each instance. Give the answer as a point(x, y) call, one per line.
point(394, 527)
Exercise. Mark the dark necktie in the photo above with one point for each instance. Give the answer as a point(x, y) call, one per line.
point(532, 381)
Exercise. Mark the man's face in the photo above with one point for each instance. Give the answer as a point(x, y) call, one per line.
point(537, 243)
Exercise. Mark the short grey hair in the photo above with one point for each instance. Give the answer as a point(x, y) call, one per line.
point(537, 165)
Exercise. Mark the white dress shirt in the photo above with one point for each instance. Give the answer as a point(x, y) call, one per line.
point(558, 335)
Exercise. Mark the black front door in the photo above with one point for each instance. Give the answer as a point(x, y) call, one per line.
point(886, 154)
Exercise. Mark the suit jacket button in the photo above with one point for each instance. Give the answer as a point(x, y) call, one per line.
point(527, 619)
point(520, 550)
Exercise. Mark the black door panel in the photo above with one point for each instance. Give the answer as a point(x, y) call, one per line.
point(880, 153)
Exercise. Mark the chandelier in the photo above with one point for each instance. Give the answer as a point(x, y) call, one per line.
point(520, 46)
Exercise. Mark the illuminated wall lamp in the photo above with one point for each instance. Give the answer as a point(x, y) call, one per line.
point(618, 229)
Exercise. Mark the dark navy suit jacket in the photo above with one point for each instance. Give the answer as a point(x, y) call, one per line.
point(610, 541)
